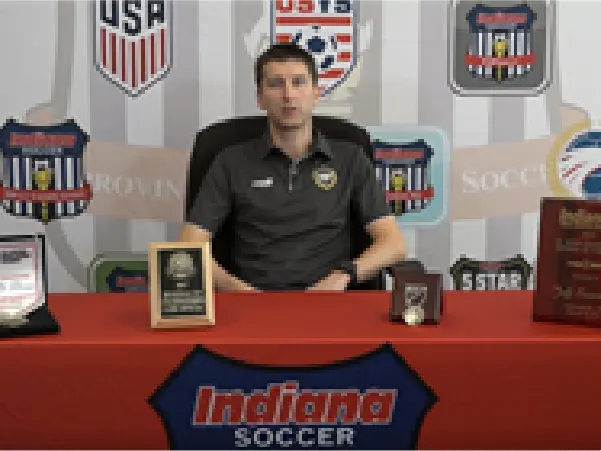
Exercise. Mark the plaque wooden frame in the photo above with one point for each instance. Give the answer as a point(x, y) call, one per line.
point(158, 319)
point(568, 271)
point(432, 307)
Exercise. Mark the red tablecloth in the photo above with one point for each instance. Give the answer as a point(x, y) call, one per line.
point(503, 382)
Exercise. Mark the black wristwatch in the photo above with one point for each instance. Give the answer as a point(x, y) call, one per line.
point(350, 268)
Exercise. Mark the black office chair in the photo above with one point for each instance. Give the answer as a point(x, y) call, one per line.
point(220, 135)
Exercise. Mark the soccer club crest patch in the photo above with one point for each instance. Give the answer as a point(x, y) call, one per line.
point(510, 274)
point(327, 29)
point(325, 178)
point(412, 165)
point(43, 174)
point(133, 42)
point(118, 273)
point(499, 48)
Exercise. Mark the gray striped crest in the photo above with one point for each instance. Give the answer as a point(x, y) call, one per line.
point(43, 173)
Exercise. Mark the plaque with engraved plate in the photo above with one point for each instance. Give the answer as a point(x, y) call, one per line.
point(181, 288)
point(568, 283)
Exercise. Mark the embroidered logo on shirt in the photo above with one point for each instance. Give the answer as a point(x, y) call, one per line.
point(325, 178)
point(262, 183)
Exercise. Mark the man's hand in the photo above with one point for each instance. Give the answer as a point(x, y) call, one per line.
point(335, 281)
point(238, 285)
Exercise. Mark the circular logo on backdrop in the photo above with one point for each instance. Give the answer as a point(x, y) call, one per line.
point(325, 178)
point(574, 163)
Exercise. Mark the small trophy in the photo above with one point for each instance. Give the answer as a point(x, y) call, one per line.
point(416, 295)
point(23, 287)
point(181, 288)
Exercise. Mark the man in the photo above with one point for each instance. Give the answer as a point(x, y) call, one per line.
point(291, 192)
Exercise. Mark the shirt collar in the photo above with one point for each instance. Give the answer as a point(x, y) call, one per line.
point(319, 145)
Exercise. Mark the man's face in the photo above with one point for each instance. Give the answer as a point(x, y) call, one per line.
point(287, 93)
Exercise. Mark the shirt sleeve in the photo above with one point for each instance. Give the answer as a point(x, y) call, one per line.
point(213, 201)
point(368, 197)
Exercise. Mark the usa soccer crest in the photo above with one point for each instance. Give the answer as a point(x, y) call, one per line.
point(500, 48)
point(133, 42)
point(327, 29)
point(43, 173)
point(412, 167)
point(510, 274)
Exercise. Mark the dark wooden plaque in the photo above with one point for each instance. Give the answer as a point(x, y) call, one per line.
point(568, 284)
point(416, 297)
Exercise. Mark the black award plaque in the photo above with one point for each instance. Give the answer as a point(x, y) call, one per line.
point(181, 289)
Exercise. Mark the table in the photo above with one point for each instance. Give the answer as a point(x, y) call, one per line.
point(502, 382)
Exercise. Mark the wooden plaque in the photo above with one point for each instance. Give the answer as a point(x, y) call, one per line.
point(181, 286)
point(416, 297)
point(568, 284)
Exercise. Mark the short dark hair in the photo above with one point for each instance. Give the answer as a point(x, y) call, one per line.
point(284, 52)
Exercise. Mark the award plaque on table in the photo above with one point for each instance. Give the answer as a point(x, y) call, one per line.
point(24, 287)
point(181, 286)
point(568, 280)
point(416, 296)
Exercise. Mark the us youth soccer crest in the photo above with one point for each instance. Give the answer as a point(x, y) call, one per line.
point(132, 42)
point(510, 274)
point(327, 29)
point(501, 47)
point(43, 174)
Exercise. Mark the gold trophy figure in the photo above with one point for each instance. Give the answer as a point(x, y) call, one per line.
point(499, 51)
point(397, 183)
point(42, 177)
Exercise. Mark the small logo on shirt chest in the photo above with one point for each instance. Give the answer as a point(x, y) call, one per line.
point(262, 183)
point(325, 178)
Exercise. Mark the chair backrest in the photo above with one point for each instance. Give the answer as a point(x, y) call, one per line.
point(220, 135)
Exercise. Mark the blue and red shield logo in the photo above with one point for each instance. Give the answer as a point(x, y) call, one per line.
point(374, 401)
point(132, 42)
point(43, 175)
point(328, 30)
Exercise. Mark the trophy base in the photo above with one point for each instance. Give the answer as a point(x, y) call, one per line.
point(399, 318)
point(40, 322)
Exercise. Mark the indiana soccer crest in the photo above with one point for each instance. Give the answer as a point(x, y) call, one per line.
point(404, 171)
point(500, 47)
point(43, 174)
point(327, 29)
point(133, 42)
point(412, 167)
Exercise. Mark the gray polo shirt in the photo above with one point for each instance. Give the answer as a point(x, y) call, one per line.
point(291, 218)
